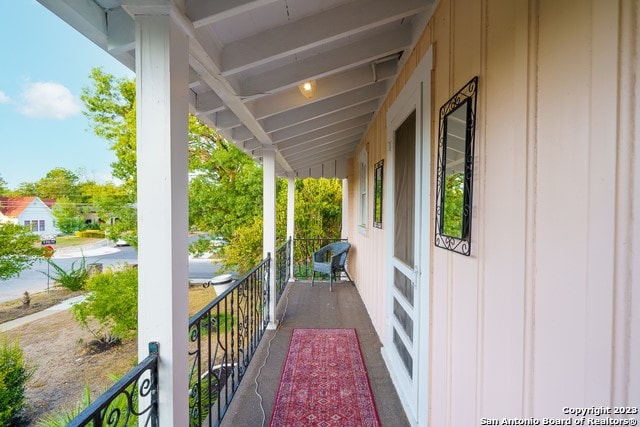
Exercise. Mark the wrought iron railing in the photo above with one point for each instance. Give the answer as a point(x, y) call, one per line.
point(223, 338)
point(283, 267)
point(133, 400)
point(303, 254)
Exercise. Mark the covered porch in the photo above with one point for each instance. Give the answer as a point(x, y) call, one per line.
point(304, 306)
point(546, 293)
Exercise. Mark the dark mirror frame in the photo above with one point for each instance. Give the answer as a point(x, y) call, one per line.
point(378, 175)
point(464, 98)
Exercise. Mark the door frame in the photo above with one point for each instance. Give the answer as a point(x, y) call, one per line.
point(416, 94)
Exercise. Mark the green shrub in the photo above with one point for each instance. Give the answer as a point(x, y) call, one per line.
point(74, 279)
point(113, 302)
point(97, 234)
point(13, 376)
point(63, 416)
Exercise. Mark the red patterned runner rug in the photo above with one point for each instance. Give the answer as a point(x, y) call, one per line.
point(324, 382)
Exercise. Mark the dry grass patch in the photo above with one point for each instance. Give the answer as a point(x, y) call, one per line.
point(57, 347)
point(15, 309)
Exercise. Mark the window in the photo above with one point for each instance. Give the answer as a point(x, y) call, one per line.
point(362, 162)
point(34, 224)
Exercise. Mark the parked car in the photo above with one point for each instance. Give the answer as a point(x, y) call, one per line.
point(121, 242)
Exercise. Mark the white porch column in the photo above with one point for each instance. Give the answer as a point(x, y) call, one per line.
point(291, 209)
point(269, 224)
point(345, 209)
point(162, 70)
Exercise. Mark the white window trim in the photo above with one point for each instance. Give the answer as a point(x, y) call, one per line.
point(363, 191)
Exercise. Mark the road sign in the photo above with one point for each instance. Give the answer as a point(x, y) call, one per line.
point(48, 251)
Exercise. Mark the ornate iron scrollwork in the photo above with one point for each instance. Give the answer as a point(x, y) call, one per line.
point(455, 170)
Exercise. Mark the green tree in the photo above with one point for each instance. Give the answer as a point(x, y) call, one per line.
point(318, 208)
point(113, 302)
point(225, 189)
point(17, 249)
point(13, 376)
point(3, 186)
point(110, 107)
point(68, 215)
point(58, 183)
point(453, 205)
point(25, 189)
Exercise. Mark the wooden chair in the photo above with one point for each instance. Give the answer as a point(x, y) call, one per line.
point(331, 259)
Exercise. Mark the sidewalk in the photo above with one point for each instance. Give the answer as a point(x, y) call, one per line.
point(65, 305)
point(101, 247)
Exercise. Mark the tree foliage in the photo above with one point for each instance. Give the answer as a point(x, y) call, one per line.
point(18, 249)
point(225, 189)
point(318, 208)
point(110, 107)
point(57, 183)
point(13, 376)
point(3, 186)
point(113, 302)
point(68, 216)
point(453, 205)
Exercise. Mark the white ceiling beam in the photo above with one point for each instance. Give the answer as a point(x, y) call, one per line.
point(327, 130)
point(330, 62)
point(209, 72)
point(326, 87)
point(86, 17)
point(194, 79)
point(327, 151)
point(208, 102)
point(120, 31)
point(204, 12)
point(311, 111)
point(333, 146)
point(367, 109)
point(332, 138)
point(307, 33)
point(226, 119)
point(317, 137)
point(318, 158)
point(316, 109)
point(336, 168)
point(332, 141)
point(241, 134)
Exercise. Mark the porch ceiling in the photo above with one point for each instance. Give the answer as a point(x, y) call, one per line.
point(247, 58)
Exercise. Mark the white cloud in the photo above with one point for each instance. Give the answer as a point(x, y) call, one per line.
point(4, 98)
point(49, 100)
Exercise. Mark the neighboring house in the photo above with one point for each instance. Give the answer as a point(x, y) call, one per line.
point(31, 212)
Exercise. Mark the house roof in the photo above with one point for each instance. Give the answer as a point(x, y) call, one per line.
point(14, 206)
point(247, 58)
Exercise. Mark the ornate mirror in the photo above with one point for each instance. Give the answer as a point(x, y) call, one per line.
point(455, 170)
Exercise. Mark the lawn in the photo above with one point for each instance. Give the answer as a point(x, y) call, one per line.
point(65, 241)
point(57, 348)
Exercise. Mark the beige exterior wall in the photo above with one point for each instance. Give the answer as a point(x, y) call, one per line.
point(544, 314)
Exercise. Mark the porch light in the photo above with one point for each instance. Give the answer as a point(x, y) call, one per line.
point(308, 89)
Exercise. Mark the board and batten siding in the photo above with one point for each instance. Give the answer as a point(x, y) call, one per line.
point(545, 313)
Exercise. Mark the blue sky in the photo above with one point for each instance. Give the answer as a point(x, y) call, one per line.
point(45, 64)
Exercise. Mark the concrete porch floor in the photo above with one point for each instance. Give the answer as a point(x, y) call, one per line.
point(313, 307)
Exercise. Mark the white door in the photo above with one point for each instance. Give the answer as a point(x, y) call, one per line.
point(407, 335)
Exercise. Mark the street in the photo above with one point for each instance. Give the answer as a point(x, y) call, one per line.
point(35, 279)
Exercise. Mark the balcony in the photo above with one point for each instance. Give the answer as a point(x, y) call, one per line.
point(231, 350)
point(303, 306)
